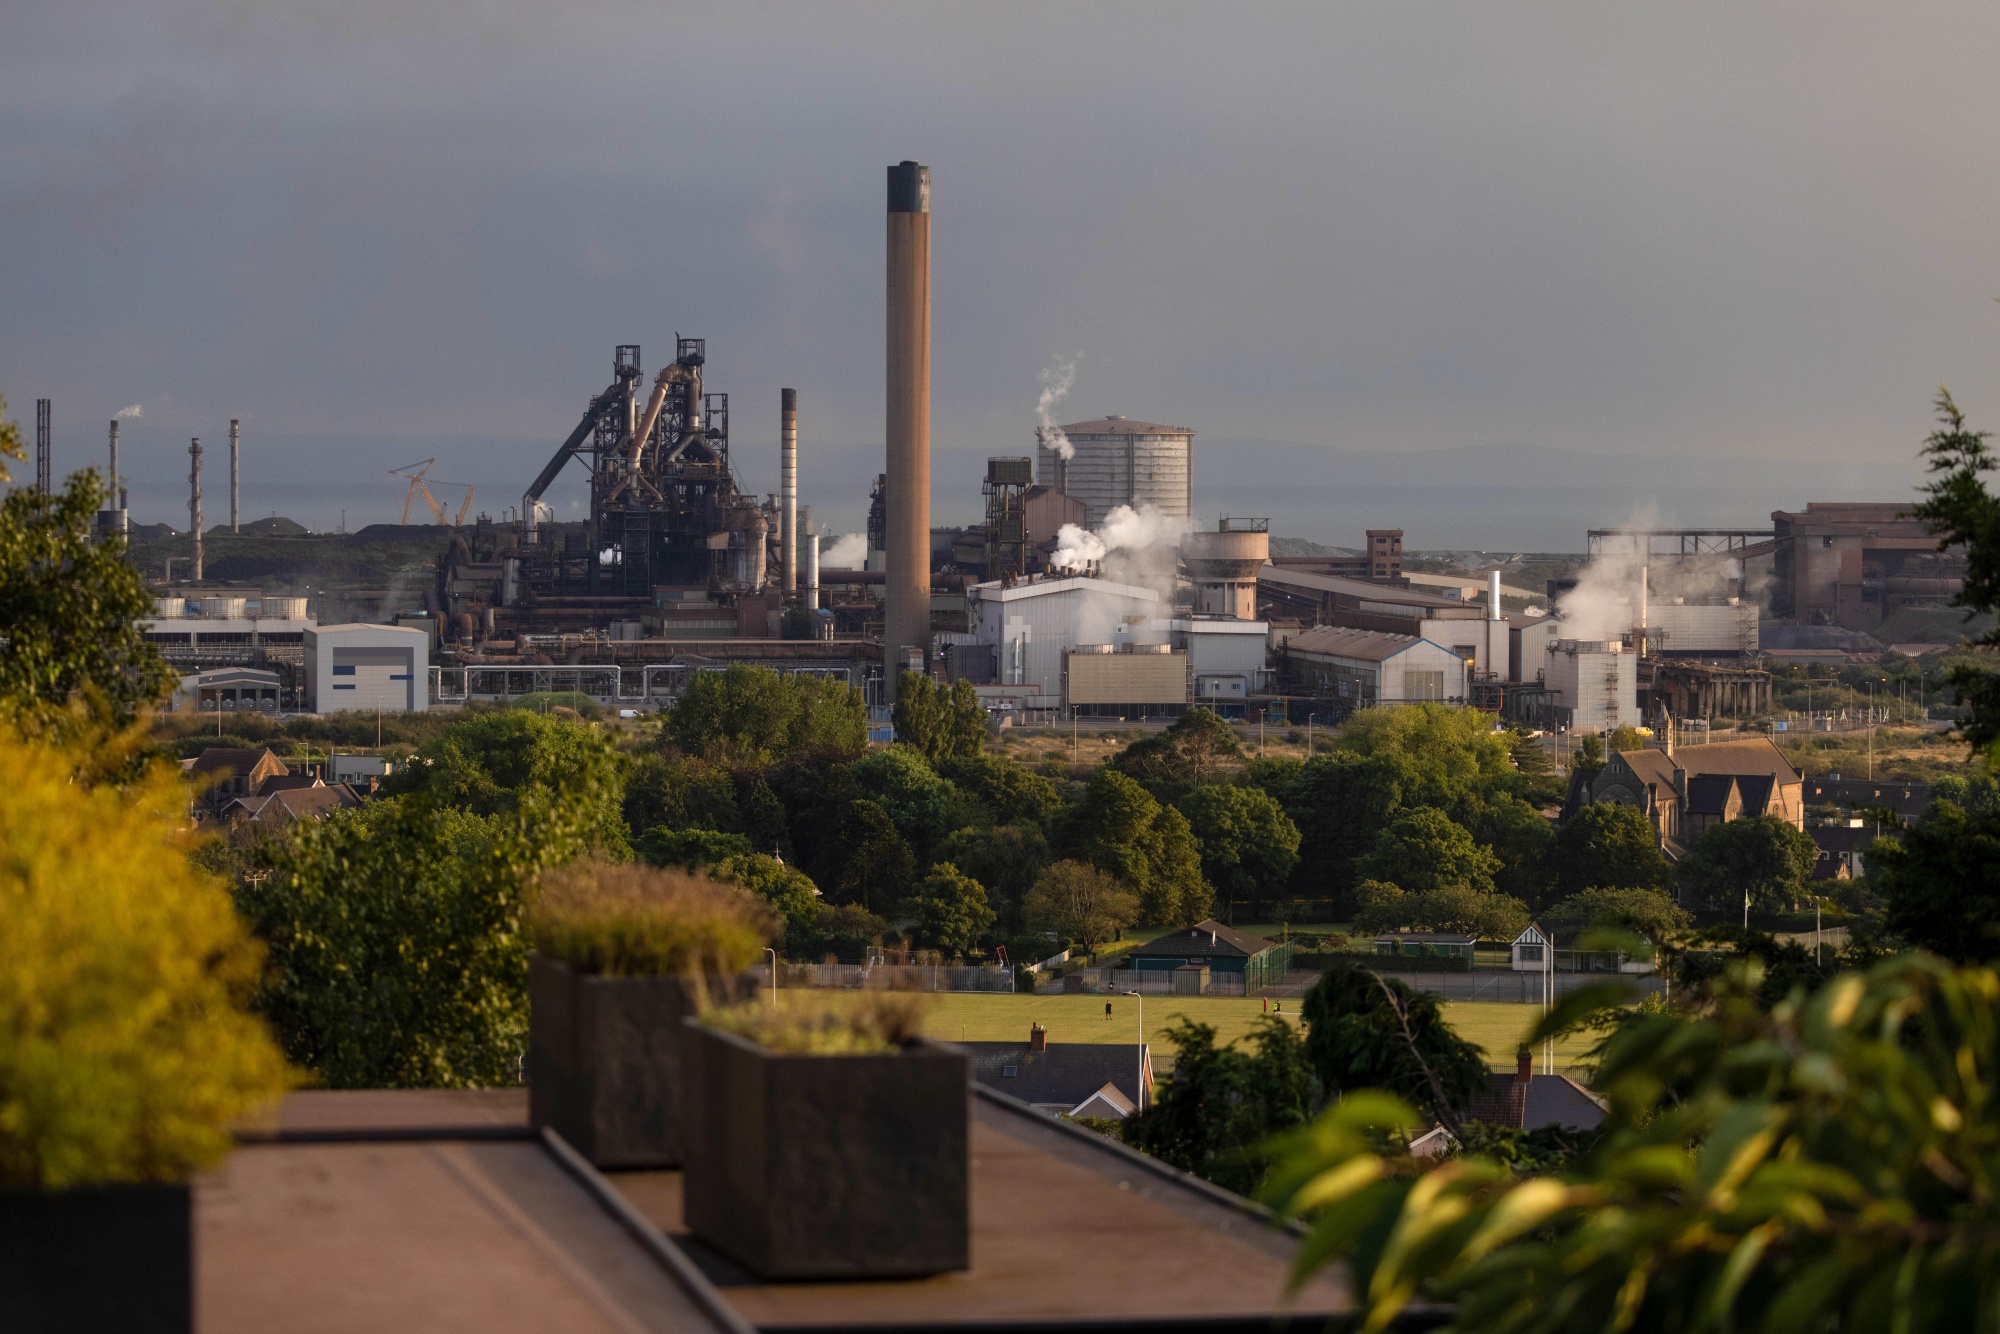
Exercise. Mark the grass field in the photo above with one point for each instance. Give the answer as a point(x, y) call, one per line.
point(976, 1017)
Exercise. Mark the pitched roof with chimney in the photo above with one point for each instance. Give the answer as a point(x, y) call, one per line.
point(1205, 938)
point(294, 804)
point(1528, 1101)
point(1060, 1074)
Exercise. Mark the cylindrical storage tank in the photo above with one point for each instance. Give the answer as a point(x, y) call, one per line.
point(284, 609)
point(1117, 461)
point(1223, 567)
point(169, 609)
point(224, 609)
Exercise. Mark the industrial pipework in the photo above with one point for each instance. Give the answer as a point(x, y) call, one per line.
point(906, 630)
point(788, 537)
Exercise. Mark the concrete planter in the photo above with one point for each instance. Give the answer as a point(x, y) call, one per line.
point(829, 1166)
point(97, 1258)
point(604, 1060)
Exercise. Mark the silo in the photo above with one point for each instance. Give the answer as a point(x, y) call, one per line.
point(1116, 461)
point(1223, 566)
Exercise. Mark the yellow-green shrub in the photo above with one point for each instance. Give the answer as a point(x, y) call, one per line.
point(628, 919)
point(125, 1051)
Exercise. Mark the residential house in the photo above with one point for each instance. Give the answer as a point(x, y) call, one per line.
point(1686, 790)
point(225, 773)
point(1906, 800)
point(292, 803)
point(1101, 1079)
point(1528, 1101)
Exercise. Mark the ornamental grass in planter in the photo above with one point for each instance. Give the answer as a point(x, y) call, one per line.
point(622, 954)
point(829, 1145)
point(126, 1049)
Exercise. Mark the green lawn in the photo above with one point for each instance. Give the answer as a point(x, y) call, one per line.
point(977, 1017)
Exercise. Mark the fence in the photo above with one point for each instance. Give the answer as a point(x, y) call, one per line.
point(1490, 984)
point(890, 977)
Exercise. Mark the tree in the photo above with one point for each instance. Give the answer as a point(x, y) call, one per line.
point(1523, 839)
point(70, 609)
point(1248, 844)
point(1649, 913)
point(1010, 792)
point(788, 890)
point(1005, 859)
point(1448, 908)
point(493, 763)
point(1119, 828)
point(1940, 882)
point(1765, 860)
point(1540, 785)
point(1367, 1031)
point(1425, 849)
point(397, 954)
point(1192, 753)
point(867, 862)
point(1224, 1102)
point(923, 806)
point(1079, 903)
point(1963, 513)
point(1609, 846)
point(846, 931)
point(938, 721)
point(951, 910)
point(754, 713)
point(1348, 800)
point(1448, 753)
point(1819, 1165)
point(691, 848)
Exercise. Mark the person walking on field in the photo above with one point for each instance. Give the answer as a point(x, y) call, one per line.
point(1107, 1009)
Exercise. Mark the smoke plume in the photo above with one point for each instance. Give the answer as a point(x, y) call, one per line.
point(849, 552)
point(1057, 381)
point(134, 411)
point(1604, 605)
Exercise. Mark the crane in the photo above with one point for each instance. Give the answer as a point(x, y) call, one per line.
point(416, 472)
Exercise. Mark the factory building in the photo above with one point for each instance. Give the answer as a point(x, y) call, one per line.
point(1365, 668)
point(1380, 558)
point(1029, 627)
point(1287, 593)
point(356, 668)
point(1119, 462)
point(232, 630)
point(1845, 563)
point(1125, 680)
point(1596, 683)
point(1225, 658)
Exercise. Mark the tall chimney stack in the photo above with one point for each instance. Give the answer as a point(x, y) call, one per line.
point(232, 477)
point(907, 535)
point(1493, 595)
point(44, 448)
point(194, 501)
point(112, 480)
point(788, 537)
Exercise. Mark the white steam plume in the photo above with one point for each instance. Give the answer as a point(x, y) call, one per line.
point(1139, 547)
point(1604, 605)
point(849, 552)
point(134, 411)
point(1057, 381)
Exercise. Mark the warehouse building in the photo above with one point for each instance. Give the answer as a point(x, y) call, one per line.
point(1030, 626)
point(1125, 681)
point(1365, 668)
point(367, 667)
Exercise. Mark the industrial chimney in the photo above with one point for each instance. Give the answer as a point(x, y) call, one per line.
point(232, 477)
point(907, 508)
point(194, 501)
point(788, 537)
point(44, 448)
point(1493, 594)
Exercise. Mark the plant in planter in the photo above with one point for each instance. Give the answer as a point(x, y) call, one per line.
point(622, 954)
point(829, 1145)
point(126, 1050)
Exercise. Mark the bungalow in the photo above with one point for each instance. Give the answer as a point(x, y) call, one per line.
point(1217, 958)
point(1531, 954)
point(1101, 1079)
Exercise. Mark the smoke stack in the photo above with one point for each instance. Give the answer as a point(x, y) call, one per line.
point(113, 479)
point(811, 572)
point(232, 477)
point(44, 447)
point(907, 507)
point(788, 536)
point(194, 501)
point(1493, 595)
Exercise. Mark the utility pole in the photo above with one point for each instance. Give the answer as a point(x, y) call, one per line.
point(44, 447)
point(1140, 1100)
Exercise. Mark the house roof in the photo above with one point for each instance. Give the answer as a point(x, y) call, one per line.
point(1708, 794)
point(1758, 756)
point(287, 783)
point(1061, 1074)
point(1336, 641)
point(1210, 938)
point(307, 803)
point(1650, 766)
point(1906, 799)
point(238, 760)
point(1106, 1102)
point(1541, 1100)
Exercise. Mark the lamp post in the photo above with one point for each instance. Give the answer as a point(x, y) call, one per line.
point(1141, 1104)
point(774, 975)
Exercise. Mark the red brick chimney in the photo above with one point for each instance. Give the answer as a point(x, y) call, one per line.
point(1524, 1066)
point(1038, 1037)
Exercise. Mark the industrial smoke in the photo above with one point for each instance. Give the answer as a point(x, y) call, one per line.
point(1606, 602)
point(134, 411)
point(848, 552)
point(1057, 380)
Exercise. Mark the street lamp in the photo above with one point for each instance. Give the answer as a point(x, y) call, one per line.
point(1141, 1104)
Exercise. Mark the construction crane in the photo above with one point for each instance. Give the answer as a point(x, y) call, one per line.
point(416, 472)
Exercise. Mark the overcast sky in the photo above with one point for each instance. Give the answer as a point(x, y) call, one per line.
point(1764, 231)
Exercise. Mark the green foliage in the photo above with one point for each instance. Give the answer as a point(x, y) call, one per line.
point(923, 806)
point(1348, 800)
point(1080, 904)
point(1589, 759)
point(1248, 844)
point(1009, 792)
point(1940, 882)
point(1368, 1031)
point(1118, 828)
point(690, 848)
point(867, 862)
point(1522, 838)
point(1824, 1164)
point(1764, 858)
point(1448, 908)
point(69, 611)
point(1224, 1102)
point(789, 891)
point(1450, 753)
point(398, 957)
point(1652, 915)
point(882, 1022)
point(1194, 752)
point(951, 910)
point(845, 931)
point(1609, 846)
point(1425, 849)
point(502, 762)
point(754, 713)
point(1005, 859)
point(1963, 513)
point(939, 722)
point(126, 1052)
point(1540, 785)
point(622, 920)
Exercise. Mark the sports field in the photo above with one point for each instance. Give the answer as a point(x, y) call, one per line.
point(958, 1016)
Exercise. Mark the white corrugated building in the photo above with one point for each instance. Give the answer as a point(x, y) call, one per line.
point(1033, 623)
point(1226, 657)
point(1597, 681)
point(367, 667)
point(1370, 667)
